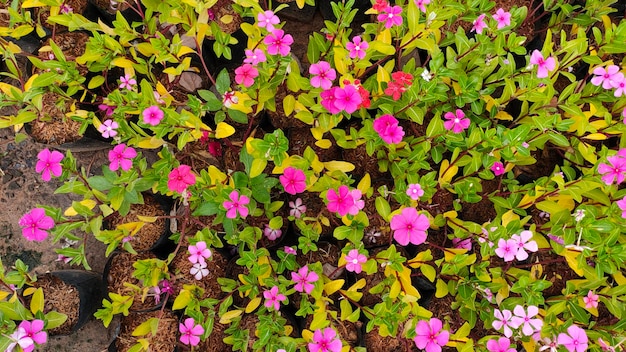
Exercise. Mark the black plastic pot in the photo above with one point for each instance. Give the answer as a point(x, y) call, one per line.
point(117, 329)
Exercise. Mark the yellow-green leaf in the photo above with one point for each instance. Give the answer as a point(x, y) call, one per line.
point(253, 304)
point(224, 130)
point(36, 303)
point(442, 289)
point(429, 272)
point(229, 316)
point(150, 143)
point(338, 165)
point(365, 183)
point(333, 286)
point(122, 62)
point(182, 300)
point(289, 104)
point(258, 165)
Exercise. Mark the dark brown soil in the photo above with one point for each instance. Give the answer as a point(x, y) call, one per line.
point(164, 340)
point(181, 267)
point(52, 126)
point(60, 297)
point(120, 274)
point(150, 232)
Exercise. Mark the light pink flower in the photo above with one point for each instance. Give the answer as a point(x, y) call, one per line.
point(354, 260)
point(121, 156)
point(605, 346)
point(622, 205)
point(254, 57)
point(297, 208)
point(64, 259)
point(199, 270)
point(430, 335)
point(497, 168)
point(347, 98)
point(267, 20)
point(421, 4)
point(190, 332)
point(619, 83)
point(457, 122)
point(49, 163)
point(278, 42)
point(525, 320)
point(414, 191)
point(544, 66)
point(358, 203)
point(199, 252)
point(391, 16)
point(614, 171)
point(229, 99)
point(503, 18)
point(575, 340)
point(591, 300)
point(507, 250)
point(127, 81)
point(246, 74)
point(388, 129)
point(273, 298)
point(409, 227)
point(549, 343)
point(322, 75)
point(108, 128)
point(34, 330)
point(289, 250)
point(524, 243)
point(180, 178)
point(357, 47)
point(272, 234)
point(502, 344)
point(35, 225)
point(20, 338)
point(463, 243)
point(624, 115)
point(604, 76)
point(503, 321)
point(328, 100)
point(479, 24)
point(325, 341)
point(237, 204)
point(65, 8)
point(293, 180)
point(153, 115)
point(304, 279)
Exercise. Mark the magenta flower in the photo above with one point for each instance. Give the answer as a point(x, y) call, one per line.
point(267, 20)
point(254, 57)
point(354, 260)
point(199, 270)
point(293, 180)
point(121, 157)
point(328, 100)
point(65, 8)
point(388, 129)
point(591, 300)
point(624, 115)
point(278, 42)
point(108, 128)
point(503, 344)
point(272, 234)
point(343, 202)
point(237, 204)
point(190, 332)
point(246, 74)
point(273, 298)
point(357, 47)
point(614, 171)
point(322, 75)
point(479, 24)
point(430, 335)
point(622, 205)
point(347, 98)
point(153, 115)
point(127, 81)
point(497, 168)
point(619, 83)
point(107, 109)
point(503, 321)
point(463, 243)
point(604, 76)
point(524, 243)
point(180, 178)
point(575, 340)
point(421, 4)
point(34, 330)
point(507, 250)
point(409, 227)
point(289, 250)
point(35, 225)
point(199, 252)
point(457, 122)
point(297, 208)
point(304, 279)
point(391, 16)
point(325, 341)
point(543, 65)
point(503, 18)
point(49, 163)
point(525, 320)
point(414, 191)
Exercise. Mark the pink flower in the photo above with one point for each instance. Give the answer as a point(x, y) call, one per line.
point(344, 201)
point(503, 321)
point(49, 162)
point(430, 335)
point(127, 81)
point(190, 332)
point(624, 115)
point(614, 171)
point(357, 47)
point(497, 168)
point(479, 24)
point(20, 338)
point(152, 115)
point(237, 204)
point(622, 205)
point(293, 180)
point(503, 344)
point(462, 243)
point(409, 227)
point(273, 298)
point(296, 208)
point(503, 18)
point(524, 243)
point(246, 74)
point(229, 99)
point(108, 128)
point(304, 279)
point(543, 65)
point(421, 4)
point(325, 341)
point(267, 20)
point(65, 8)
point(391, 16)
point(34, 330)
point(414, 191)
point(322, 75)
point(271, 234)
point(121, 156)
point(591, 300)
point(35, 225)
point(605, 346)
point(254, 57)
point(289, 250)
point(199, 252)
point(199, 270)
point(457, 122)
point(358, 203)
point(575, 340)
point(523, 319)
point(180, 178)
point(604, 77)
point(108, 109)
point(347, 98)
point(388, 129)
point(354, 260)
point(507, 249)
point(619, 83)
point(278, 42)
point(328, 100)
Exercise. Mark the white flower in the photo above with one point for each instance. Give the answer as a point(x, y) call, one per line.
point(426, 75)
point(199, 270)
point(579, 215)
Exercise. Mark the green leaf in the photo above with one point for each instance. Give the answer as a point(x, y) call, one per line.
point(382, 207)
point(55, 319)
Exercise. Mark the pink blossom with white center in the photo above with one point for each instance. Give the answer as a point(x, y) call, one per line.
point(456, 122)
point(229, 99)
point(525, 320)
point(297, 208)
point(254, 57)
point(479, 24)
point(544, 66)
point(267, 20)
point(430, 335)
point(391, 16)
point(127, 81)
point(236, 204)
point(619, 83)
point(199, 270)
point(507, 249)
point(524, 243)
point(357, 47)
point(273, 298)
point(354, 260)
point(604, 76)
point(503, 18)
point(575, 340)
point(272, 234)
point(108, 128)
point(199, 252)
point(421, 4)
point(34, 331)
point(190, 332)
point(497, 168)
point(414, 191)
point(591, 300)
point(503, 321)
point(322, 75)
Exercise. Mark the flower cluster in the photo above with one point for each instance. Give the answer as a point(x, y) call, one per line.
point(516, 247)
